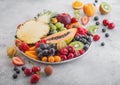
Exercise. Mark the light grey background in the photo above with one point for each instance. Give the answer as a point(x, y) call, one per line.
point(100, 66)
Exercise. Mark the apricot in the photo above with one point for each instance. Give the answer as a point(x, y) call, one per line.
point(89, 9)
point(57, 58)
point(44, 59)
point(51, 59)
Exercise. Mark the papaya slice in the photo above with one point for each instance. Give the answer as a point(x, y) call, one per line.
point(32, 48)
point(66, 35)
point(32, 54)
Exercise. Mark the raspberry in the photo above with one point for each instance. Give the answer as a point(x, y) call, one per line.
point(96, 37)
point(111, 26)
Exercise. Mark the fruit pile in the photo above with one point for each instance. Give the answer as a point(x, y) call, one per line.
point(55, 37)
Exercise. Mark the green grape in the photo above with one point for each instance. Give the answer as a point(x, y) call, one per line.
point(55, 31)
point(62, 25)
point(53, 27)
point(62, 28)
point(58, 25)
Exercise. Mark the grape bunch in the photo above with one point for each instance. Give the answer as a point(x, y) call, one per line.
point(56, 27)
point(46, 50)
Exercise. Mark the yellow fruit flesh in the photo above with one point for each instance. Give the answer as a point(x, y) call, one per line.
point(31, 31)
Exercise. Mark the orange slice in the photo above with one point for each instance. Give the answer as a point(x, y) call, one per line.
point(32, 54)
point(77, 4)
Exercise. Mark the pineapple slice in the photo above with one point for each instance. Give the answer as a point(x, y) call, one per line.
point(32, 30)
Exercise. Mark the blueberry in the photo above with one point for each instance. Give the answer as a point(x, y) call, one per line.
point(102, 44)
point(17, 71)
point(96, 1)
point(52, 51)
point(97, 23)
point(40, 55)
point(38, 50)
point(107, 35)
point(89, 33)
point(82, 36)
point(52, 46)
point(103, 30)
point(43, 46)
point(23, 68)
point(96, 18)
point(15, 76)
point(89, 39)
point(45, 52)
point(77, 38)
point(86, 46)
point(83, 40)
point(15, 68)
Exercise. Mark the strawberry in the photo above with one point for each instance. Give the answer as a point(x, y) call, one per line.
point(35, 78)
point(96, 37)
point(18, 42)
point(73, 20)
point(17, 61)
point(85, 20)
point(24, 47)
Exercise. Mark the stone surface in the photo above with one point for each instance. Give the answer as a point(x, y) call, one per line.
point(99, 66)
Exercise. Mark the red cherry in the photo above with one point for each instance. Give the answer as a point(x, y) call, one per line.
point(64, 51)
point(111, 26)
point(70, 55)
point(71, 49)
point(105, 22)
point(35, 69)
point(35, 78)
point(76, 54)
point(63, 57)
point(28, 72)
point(67, 26)
point(81, 51)
point(96, 37)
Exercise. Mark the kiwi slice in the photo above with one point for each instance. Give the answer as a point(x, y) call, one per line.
point(92, 29)
point(77, 45)
point(105, 8)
